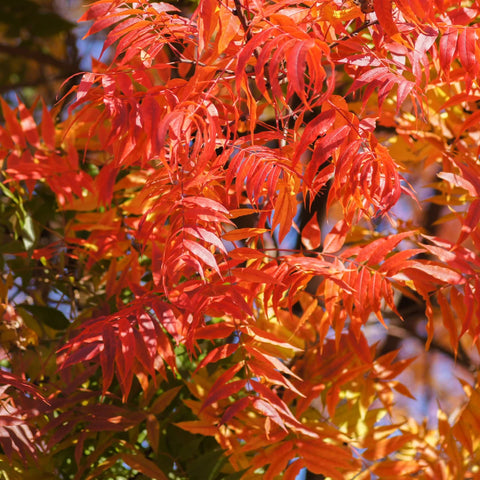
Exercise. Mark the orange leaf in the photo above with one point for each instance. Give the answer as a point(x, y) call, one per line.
point(198, 426)
point(393, 469)
point(335, 239)
point(311, 235)
point(218, 353)
point(242, 233)
point(164, 400)
point(383, 10)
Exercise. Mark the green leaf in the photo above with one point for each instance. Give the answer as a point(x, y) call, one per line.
point(210, 462)
point(51, 317)
point(28, 232)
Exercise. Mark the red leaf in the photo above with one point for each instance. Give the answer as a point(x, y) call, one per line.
point(311, 235)
point(218, 353)
point(263, 369)
point(466, 49)
point(472, 220)
point(206, 235)
point(425, 272)
point(48, 128)
point(275, 402)
point(13, 126)
point(233, 409)
point(202, 253)
point(88, 79)
point(376, 251)
point(224, 391)
point(383, 10)
point(335, 239)
point(28, 125)
point(253, 275)
point(107, 355)
point(269, 411)
point(314, 129)
point(214, 331)
point(447, 47)
point(143, 465)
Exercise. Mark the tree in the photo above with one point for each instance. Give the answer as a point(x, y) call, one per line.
point(37, 49)
point(199, 259)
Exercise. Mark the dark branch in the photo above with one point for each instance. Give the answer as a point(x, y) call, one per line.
point(39, 57)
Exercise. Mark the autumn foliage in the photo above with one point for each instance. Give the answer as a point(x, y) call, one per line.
point(201, 240)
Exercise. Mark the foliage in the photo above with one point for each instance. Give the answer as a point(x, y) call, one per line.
point(195, 255)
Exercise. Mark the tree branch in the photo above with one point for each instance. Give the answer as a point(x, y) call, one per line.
point(39, 57)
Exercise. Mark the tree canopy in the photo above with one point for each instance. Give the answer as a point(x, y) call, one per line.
point(225, 245)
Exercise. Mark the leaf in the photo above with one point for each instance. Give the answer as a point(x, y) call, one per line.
point(88, 79)
point(50, 316)
point(7, 378)
point(143, 465)
point(386, 446)
point(204, 234)
point(269, 411)
point(198, 427)
point(459, 181)
point(426, 271)
point(266, 337)
point(335, 239)
point(47, 128)
point(242, 233)
point(218, 353)
point(153, 432)
point(224, 391)
point(107, 355)
point(390, 469)
point(28, 125)
point(239, 405)
point(314, 129)
point(201, 253)
point(164, 400)
point(466, 49)
point(324, 459)
point(376, 251)
point(255, 276)
point(229, 28)
point(264, 369)
point(210, 462)
point(311, 235)
point(125, 356)
point(243, 253)
point(383, 10)
point(214, 331)
point(28, 232)
point(447, 49)
point(285, 206)
point(471, 222)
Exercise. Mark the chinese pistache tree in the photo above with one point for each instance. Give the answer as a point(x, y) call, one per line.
point(216, 246)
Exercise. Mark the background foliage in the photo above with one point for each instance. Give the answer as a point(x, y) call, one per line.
point(244, 245)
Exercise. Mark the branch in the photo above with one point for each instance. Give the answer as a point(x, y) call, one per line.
point(403, 330)
point(239, 13)
point(32, 83)
point(32, 55)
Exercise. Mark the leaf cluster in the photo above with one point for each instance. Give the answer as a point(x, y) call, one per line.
point(151, 298)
